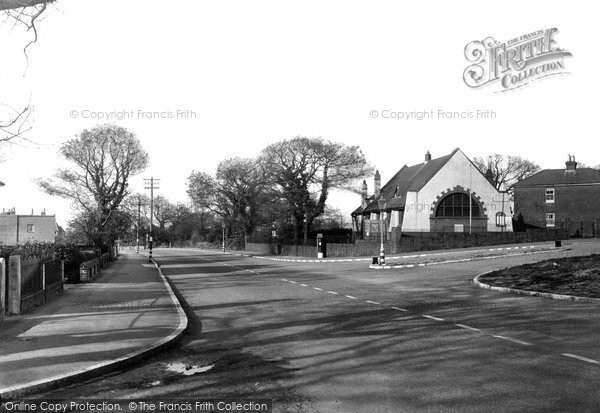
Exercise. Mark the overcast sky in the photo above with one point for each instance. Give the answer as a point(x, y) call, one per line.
point(257, 72)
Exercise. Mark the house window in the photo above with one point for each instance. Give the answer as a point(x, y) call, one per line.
point(550, 220)
point(549, 195)
point(457, 206)
point(500, 219)
point(31, 228)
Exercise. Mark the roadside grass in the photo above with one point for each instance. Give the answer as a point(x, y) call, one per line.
point(578, 276)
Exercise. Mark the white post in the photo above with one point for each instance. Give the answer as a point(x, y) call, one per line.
point(14, 285)
point(2, 286)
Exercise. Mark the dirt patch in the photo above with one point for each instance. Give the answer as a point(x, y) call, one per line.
point(578, 276)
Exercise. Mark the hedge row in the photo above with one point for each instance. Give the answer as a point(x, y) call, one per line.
point(73, 255)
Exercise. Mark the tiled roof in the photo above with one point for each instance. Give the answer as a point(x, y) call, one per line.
point(560, 177)
point(408, 178)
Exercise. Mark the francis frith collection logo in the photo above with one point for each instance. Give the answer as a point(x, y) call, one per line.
point(516, 62)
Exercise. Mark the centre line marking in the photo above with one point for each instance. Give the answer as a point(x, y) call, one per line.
point(317, 288)
point(432, 317)
point(293, 282)
point(372, 302)
point(349, 296)
point(283, 279)
point(332, 292)
point(514, 340)
point(467, 327)
point(574, 356)
point(399, 309)
point(304, 285)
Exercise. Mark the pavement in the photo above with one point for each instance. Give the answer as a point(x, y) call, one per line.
point(129, 312)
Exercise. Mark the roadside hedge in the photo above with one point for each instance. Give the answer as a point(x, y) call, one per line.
point(73, 255)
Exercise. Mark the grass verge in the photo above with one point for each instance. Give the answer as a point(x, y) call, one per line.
point(578, 276)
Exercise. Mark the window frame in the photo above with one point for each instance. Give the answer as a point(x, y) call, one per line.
point(448, 206)
point(500, 219)
point(550, 222)
point(550, 192)
point(30, 228)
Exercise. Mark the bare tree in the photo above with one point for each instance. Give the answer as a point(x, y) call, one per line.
point(235, 193)
point(304, 170)
point(504, 171)
point(14, 122)
point(104, 159)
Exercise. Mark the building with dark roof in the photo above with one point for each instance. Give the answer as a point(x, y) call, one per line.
point(433, 196)
point(560, 198)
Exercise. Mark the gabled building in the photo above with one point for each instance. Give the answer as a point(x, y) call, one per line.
point(560, 198)
point(19, 229)
point(446, 194)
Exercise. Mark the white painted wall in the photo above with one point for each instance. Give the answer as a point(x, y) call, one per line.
point(458, 171)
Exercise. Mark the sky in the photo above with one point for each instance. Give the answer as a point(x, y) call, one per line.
point(206, 81)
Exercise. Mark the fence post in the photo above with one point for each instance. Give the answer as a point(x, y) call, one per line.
point(14, 285)
point(43, 277)
point(62, 270)
point(2, 286)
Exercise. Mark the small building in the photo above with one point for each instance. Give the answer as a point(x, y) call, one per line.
point(19, 229)
point(560, 199)
point(446, 194)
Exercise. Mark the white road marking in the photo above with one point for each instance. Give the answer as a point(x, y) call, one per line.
point(293, 282)
point(283, 279)
point(332, 292)
point(304, 285)
point(467, 327)
point(514, 340)
point(373, 302)
point(349, 296)
point(399, 309)
point(574, 356)
point(432, 317)
point(317, 288)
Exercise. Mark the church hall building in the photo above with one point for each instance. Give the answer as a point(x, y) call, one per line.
point(446, 194)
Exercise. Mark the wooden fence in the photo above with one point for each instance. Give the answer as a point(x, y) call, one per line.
point(31, 282)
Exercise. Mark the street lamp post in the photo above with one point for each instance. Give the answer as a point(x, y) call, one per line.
point(381, 202)
point(223, 226)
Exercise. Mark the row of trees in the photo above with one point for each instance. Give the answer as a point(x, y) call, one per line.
point(288, 184)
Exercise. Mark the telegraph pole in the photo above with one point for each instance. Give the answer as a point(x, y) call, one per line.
point(137, 232)
point(151, 184)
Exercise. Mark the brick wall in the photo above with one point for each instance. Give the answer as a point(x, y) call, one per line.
point(16, 228)
point(44, 228)
point(8, 229)
point(574, 206)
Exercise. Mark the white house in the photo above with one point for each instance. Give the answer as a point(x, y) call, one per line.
point(433, 196)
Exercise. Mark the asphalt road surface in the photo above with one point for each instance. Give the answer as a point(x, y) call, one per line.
point(340, 337)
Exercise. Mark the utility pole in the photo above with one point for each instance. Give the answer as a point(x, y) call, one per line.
point(151, 184)
point(137, 231)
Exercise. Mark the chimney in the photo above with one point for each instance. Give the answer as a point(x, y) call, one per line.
point(427, 157)
point(364, 194)
point(571, 165)
point(377, 187)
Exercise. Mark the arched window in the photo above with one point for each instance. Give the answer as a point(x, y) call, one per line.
point(457, 206)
